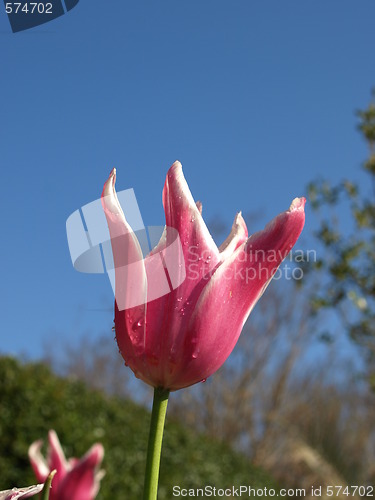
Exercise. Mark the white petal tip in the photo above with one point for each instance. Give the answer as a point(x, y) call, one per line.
point(297, 204)
point(112, 177)
point(34, 450)
point(176, 166)
point(238, 219)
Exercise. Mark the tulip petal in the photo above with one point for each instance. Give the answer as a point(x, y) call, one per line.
point(38, 463)
point(236, 237)
point(135, 280)
point(127, 252)
point(56, 459)
point(15, 493)
point(168, 316)
point(186, 265)
point(184, 215)
point(82, 482)
point(233, 291)
point(130, 276)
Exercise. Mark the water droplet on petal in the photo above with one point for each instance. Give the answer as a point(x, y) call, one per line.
point(182, 311)
point(179, 299)
point(203, 380)
point(194, 355)
point(137, 325)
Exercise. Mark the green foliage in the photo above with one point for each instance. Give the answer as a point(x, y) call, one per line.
point(33, 400)
point(349, 252)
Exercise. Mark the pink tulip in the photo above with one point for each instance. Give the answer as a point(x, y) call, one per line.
point(182, 337)
point(75, 479)
point(15, 493)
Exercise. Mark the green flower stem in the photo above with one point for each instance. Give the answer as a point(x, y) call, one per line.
point(159, 409)
point(47, 485)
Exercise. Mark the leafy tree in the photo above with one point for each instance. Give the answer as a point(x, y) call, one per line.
point(348, 239)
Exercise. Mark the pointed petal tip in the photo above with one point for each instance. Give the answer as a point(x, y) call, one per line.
point(240, 221)
point(35, 447)
point(175, 170)
point(239, 225)
point(53, 439)
point(93, 457)
point(109, 184)
point(297, 204)
point(109, 198)
point(236, 237)
point(97, 452)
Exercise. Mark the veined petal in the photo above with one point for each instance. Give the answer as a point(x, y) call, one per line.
point(82, 482)
point(233, 291)
point(15, 493)
point(235, 238)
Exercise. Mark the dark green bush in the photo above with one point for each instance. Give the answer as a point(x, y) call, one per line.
point(34, 400)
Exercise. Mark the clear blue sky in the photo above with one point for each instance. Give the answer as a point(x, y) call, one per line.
point(254, 98)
